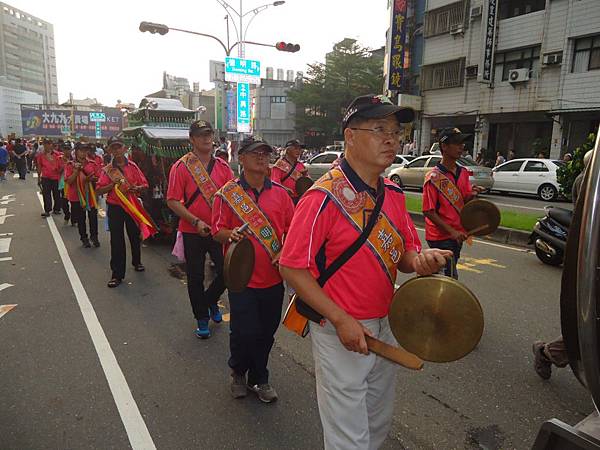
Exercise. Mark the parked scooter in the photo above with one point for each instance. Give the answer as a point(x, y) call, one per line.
point(549, 235)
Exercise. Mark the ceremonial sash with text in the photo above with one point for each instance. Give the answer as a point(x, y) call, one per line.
point(131, 204)
point(446, 187)
point(291, 172)
point(201, 177)
point(385, 242)
point(249, 212)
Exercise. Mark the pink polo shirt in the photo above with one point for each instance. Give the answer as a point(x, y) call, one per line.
point(320, 233)
point(132, 174)
point(50, 169)
point(277, 206)
point(182, 187)
point(277, 175)
point(434, 200)
point(89, 167)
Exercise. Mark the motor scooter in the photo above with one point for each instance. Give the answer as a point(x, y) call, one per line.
point(549, 235)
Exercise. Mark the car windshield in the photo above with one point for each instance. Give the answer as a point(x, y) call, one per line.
point(559, 163)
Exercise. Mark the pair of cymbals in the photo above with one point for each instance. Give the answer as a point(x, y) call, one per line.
point(303, 184)
point(480, 217)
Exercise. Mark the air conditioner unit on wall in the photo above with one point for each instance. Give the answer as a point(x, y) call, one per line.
point(471, 71)
point(518, 75)
point(552, 58)
point(476, 11)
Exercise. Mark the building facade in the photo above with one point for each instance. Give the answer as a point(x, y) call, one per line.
point(27, 54)
point(520, 75)
point(11, 100)
point(275, 115)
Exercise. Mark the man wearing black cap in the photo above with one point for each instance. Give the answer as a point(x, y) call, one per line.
point(445, 192)
point(193, 182)
point(355, 388)
point(267, 209)
point(287, 170)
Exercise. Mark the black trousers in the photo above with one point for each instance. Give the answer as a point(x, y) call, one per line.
point(195, 248)
point(51, 195)
point(21, 164)
point(449, 244)
point(118, 220)
point(255, 316)
point(79, 216)
point(66, 209)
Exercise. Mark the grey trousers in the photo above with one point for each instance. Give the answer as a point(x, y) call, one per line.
point(355, 392)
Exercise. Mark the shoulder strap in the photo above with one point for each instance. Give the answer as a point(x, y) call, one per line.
point(356, 245)
point(197, 192)
point(290, 172)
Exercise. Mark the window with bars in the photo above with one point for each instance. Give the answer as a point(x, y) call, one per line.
point(444, 75)
point(446, 18)
point(514, 8)
point(526, 58)
point(586, 54)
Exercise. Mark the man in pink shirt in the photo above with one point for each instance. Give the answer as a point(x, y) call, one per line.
point(193, 182)
point(288, 169)
point(50, 166)
point(267, 209)
point(445, 192)
point(355, 389)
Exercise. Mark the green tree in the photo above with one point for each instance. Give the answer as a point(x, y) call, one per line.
point(566, 174)
point(349, 71)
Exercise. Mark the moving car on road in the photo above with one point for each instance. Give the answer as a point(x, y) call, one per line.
point(528, 176)
point(413, 174)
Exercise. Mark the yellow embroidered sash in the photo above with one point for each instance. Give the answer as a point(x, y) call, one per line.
point(207, 187)
point(446, 187)
point(384, 241)
point(248, 212)
point(285, 166)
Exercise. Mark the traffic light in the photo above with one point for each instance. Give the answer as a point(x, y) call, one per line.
point(287, 47)
point(154, 28)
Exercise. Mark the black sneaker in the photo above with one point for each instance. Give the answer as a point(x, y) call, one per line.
point(86, 243)
point(45, 214)
point(238, 385)
point(541, 364)
point(95, 242)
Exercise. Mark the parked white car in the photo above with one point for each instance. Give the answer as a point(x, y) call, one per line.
point(399, 161)
point(528, 176)
point(321, 163)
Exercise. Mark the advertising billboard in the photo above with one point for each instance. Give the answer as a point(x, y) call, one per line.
point(57, 122)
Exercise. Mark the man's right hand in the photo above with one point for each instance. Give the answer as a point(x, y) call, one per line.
point(352, 334)
point(458, 236)
point(202, 228)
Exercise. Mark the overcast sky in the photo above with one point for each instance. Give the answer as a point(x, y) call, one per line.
point(101, 53)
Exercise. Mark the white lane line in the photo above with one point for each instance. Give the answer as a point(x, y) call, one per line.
point(3, 218)
point(5, 245)
point(5, 285)
point(6, 197)
point(5, 308)
point(6, 234)
point(518, 206)
point(137, 431)
point(8, 258)
point(493, 244)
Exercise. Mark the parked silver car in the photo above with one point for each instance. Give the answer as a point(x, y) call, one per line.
point(413, 174)
point(399, 161)
point(321, 163)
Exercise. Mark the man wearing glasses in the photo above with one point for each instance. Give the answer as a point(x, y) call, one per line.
point(265, 209)
point(193, 182)
point(355, 389)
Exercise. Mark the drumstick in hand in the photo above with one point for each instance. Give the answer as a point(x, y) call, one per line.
point(394, 354)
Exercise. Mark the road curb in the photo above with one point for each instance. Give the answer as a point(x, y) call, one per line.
point(501, 235)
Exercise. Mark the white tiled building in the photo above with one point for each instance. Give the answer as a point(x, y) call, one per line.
point(550, 49)
point(11, 100)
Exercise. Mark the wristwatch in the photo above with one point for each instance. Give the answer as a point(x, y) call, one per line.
point(195, 222)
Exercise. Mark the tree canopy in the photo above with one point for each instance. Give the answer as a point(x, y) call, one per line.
point(349, 71)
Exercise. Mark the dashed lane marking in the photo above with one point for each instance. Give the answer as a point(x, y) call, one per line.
point(5, 308)
point(135, 427)
point(5, 245)
point(3, 215)
point(7, 258)
point(5, 286)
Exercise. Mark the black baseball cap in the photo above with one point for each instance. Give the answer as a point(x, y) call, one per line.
point(293, 143)
point(376, 107)
point(200, 126)
point(249, 145)
point(452, 136)
point(114, 140)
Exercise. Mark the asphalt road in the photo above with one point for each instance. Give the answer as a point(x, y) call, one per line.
point(61, 389)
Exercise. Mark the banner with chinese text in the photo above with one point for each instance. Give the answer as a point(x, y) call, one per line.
point(57, 122)
point(397, 46)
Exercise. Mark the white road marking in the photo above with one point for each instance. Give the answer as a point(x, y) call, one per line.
point(493, 244)
point(7, 258)
point(6, 202)
point(5, 245)
point(518, 206)
point(3, 218)
point(5, 285)
point(6, 197)
point(137, 431)
point(6, 234)
point(5, 308)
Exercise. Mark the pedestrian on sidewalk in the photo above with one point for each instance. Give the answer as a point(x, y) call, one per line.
point(355, 388)
point(3, 161)
point(267, 208)
point(50, 167)
point(445, 192)
point(124, 182)
point(20, 154)
point(193, 182)
point(79, 179)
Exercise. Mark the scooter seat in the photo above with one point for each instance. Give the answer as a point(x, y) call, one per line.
point(562, 216)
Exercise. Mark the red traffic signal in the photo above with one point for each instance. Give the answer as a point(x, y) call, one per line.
point(287, 47)
point(154, 28)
